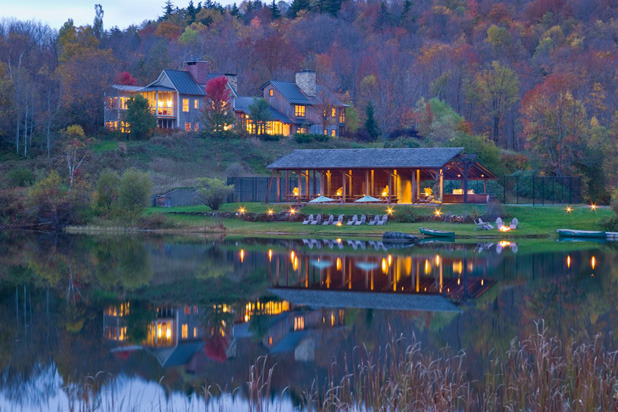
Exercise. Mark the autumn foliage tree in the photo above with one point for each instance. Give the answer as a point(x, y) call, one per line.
point(217, 112)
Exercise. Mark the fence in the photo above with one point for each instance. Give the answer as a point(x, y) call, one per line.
point(539, 190)
point(253, 189)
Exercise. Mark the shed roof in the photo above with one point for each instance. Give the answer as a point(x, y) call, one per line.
point(184, 83)
point(366, 158)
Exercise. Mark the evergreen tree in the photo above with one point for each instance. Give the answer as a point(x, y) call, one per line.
point(332, 7)
point(141, 121)
point(191, 11)
point(384, 16)
point(274, 10)
point(297, 6)
point(370, 122)
point(235, 11)
point(97, 26)
point(260, 110)
point(167, 10)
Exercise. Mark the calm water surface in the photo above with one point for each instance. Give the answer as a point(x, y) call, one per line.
point(140, 322)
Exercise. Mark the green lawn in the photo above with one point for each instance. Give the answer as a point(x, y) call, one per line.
point(533, 221)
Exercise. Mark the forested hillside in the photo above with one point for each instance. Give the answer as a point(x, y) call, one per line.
point(537, 77)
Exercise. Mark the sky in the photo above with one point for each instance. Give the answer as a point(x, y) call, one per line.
point(121, 13)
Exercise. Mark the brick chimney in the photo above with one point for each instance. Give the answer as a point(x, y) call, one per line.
point(198, 70)
point(305, 79)
point(232, 79)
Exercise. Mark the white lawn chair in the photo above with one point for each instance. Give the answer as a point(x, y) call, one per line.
point(499, 223)
point(514, 223)
point(383, 221)
point(308, 220)
point(353, 220)
point(362, 220)
point(483, 225)
point(329, 221)
point(375, 220)
point(317, 220)
point(338, 221)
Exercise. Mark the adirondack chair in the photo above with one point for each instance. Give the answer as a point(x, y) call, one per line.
point(317, 220)
point(514, 223)
point(480, 225)
point(339, 221)
point(383, 220)
point(363, 220)
point(308, 220)
point(353, 220)
point(329, 221)
point(499, 223)
point(375, 220)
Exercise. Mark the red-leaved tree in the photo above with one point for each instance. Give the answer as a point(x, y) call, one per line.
point(124, 78)
point(218, 113)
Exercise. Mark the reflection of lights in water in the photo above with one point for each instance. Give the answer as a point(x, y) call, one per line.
point(384, 266)
point(338, 264)
point(482, 282)
point(568, 261)
point(270, 255)
point(458, 267)
point(242, 255)
point(246, 318)
point(339, 239)
point(292, 254)
point(505, 243)
point(295, 263)
point(593, 262)
point(437, 260)
point(427, 267)
point(390, 260)
point(458, 281)
point(470, 266)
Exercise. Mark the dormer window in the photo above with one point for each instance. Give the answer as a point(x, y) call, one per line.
point(299, 110)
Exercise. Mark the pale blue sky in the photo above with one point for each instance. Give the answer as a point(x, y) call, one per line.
point(121, 13)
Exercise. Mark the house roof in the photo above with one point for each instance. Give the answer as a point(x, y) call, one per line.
point(184, 83)
point(366, 158)
point(290, 91)
point(242, 104)
point(126, 88)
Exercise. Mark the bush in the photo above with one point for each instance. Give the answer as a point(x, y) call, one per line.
point(610, 224)
point(407, 215)
point(20, 177)
point(213, 192)
point(494, 210)
point(107, 191)
point(320, 138)
point(271, 137)
point(614, 201)
point(134, 191)
point(303, 138)
point(12, 206)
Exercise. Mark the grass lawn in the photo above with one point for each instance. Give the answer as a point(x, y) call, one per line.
point(539, 221)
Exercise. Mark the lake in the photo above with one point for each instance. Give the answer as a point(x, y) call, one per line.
point(132, 323)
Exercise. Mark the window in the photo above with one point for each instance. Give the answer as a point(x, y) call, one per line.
point(195, 128)
point(301, 130)
point(342, 115)
point(187, 310)
point(196, 104)
point(333, 112)
point(187, 127)
point(271, 92)
point(299, 110)
point(195, 332)
point(185, 331)
point(333, 133)
point(185, 105)
point(325, 132)
point(123, 103)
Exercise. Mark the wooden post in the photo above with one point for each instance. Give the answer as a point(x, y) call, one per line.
point(441, 186)
point(300, 190)
point(373, 183)
point(270, 184)
point(367, 182)
point(307, 192)
point(286, 184)
point(413, 187)
point(418, 184)
point(343, 177)
point(278, 187)
point(315, 187)
point(390, 186)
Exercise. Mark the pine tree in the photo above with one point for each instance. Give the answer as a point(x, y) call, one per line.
point(191, 11)
point(370, 122)
point(97, 26)
point(167, 10)
point(384, 17)
point(235, 11)
point(274, 10)
point(297, 6)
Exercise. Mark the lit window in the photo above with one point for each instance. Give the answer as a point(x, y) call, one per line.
point(185, 331)
point(271, 92)
point(187, 127)
point(185, 105)
point(196, 104)
point(187, 310)
point(342, 115)
point(123, 103)
point(299, 110)
point(333, 112)
point(326, 132)
point(195, 128)
point(195, 332)
point(333, 133)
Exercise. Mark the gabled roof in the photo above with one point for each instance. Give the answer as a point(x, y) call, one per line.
point(366, 158)
point(125, 88)
point(242, 104)
point(184, 83)
point(324, 96)
point(290, 91)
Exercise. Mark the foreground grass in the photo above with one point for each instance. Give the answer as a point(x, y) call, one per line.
point(540, 221)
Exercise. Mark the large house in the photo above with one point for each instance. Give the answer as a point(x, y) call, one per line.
point(176, 99)
point(299, 107)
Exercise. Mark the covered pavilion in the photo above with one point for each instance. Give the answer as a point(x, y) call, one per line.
point(391, 175)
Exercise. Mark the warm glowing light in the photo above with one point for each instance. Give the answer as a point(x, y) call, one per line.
point(292, 255)
point(427, 267)
point(338, 264)
point(438, 212)
point(270, 255)
point(569, 209)
point(458, 267)
point(292, 211)
point(389, 211)
point(459, 281)
point(338, 240)
point(390, 260)
point(339, 192)
point(593, 262)
point(242, 255)
point(384, 266)
point(339, 224)
point(505, 243)
point(482, 282)
point(270, 212)
point(593, 207)
point(295, 263)
point(568, 261)
point(168, 333)
point(296, 192)
point(504, 228)
point(242, 210)
point(246, 318)
point(437, 260)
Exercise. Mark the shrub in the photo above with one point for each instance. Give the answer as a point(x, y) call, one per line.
point(12, 206)
point(407, 215)
point(474, 214)
point(20, 177)
point(320, 138)
point(494, 210)
point(610, 223)
point(302, 138)
point(134, 191)
point(107, 191)
point(271, 137)
point(213, 192)
point(614, 201)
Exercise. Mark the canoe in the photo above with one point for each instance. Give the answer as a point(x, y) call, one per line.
point(436, 233)
point(590, 234)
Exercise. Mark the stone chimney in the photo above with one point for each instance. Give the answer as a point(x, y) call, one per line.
point(232, 79)
point(198, 70)
point(305, 79)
